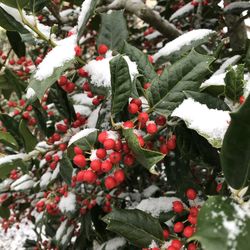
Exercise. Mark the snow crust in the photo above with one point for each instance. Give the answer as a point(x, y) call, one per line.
point(10, 158)
point(68, 203)
point(30, 93)
point(57, 57)
point(86, 5)
point(113, 244)
point(45, 179)
point(99, 71)
point(210, 123)
point(83, 110)
point(183, 40)
point(182, 11)
point(83, 133)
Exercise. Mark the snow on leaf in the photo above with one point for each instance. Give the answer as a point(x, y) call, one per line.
point(183, 11)
point(113, 244)
point(81, 134)
point(68, 203)
point(209, 123)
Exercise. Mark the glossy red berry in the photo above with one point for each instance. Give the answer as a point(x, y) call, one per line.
point(62, 80)
point(115, 157)
point(241, 99)
point(192, 219)
point(164, 149)
point(78, 50)
point(102, 49)
point(191, 246)
point(110, 182)
point(147, 85)
point(109, 144)
point(165, 234)
point(106, 166)
point(101, 153)
point(191, 194)
point(128, 124)
point(176, 243)
point(178, 227)
point(172, 248)
point(102, 136)
point(171, 144)
point(188, 231)
point(129, 160)
point(78, 151)
point(160, 120)
point(151, 128)
point(80, 161)
point(194, 211)
point(119, 175)
point(96, 165)
point(143, 117)
point(89, 176)
point(137, 101)
point(133, 108)
point(178, 207)
point(80, 176)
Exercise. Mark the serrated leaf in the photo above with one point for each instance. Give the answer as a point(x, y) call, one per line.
point(7, 139)
point(185, 75)
point(222, 225)
point(40, 86)
point(66, 169)
point(235, 158)
point(9, 23)
point(29, 139)
point(4, 212)
point(145, 68)
point(146, 157)
point(16, 43)
point(87, 10)
point(234, 81)
point(120, 84)
point(113, 30)
point(138, 227)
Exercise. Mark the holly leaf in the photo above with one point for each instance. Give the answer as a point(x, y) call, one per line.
point(222, 224)
point(113, 30)
point(234, 81)
point(146, 157)
point(4, 212)
point(235, 158)
point(138, 227)
point(7, 139)
point(66, 169)
point(16, 43)
point(236, 8)
point(120, 84)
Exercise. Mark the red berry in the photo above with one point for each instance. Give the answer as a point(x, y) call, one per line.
point(143, 117)
point(78, 50)
point(129, 160)
point(62, 80)
point(191, 246)
point(86, 86)
point(109, 144)
point(56, 137)
point(128, 124)
point(77, 150)
point(192, 219)
point(147, 85)
point(178, 227)
point(80, 161)
point(171, 144)
point(82, 72)
point(151, 59)
point(63, 146)
point(241, 99)
point(160, 120)
point(80, 176)
point(89, 176)
point(115, 157)
point(62, 128)
point(106, 166)
point(164, 149)
point(101, 153)
point(99, 58)
point(70, 87)
point(172, 248)
point(119, 175)
point(133, 108)
point(102, 49)
point(151, 128)
point(165, 234)
point(137, 101)
point(188, 231)
point(178, 207)
point(96, 101)
point(191, 194)
point(176, 243)
point(110, 182)
point(102, 136)
point(96, 165)
point(141, 141)
point(194, 211)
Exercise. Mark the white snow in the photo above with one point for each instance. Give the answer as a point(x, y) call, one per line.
point(45, 179)
point(30, 93)
point(99, 71)
point(153, 35)
point(183, 40)
point(93, 118)
point(113, 244)
point(68, 203)
point(85, 8)
point(5, 185)
point(182, 11)
point(93, 155)
point(83, 110)
point(57, 57)
point(83, 133)
point(156, 206)
point(10, 158)
point(210, 123)
point(82, 98)
point(24, 185)
point(61, 230)
point(149, 191)
point(67, 235)
point(112, 135)
point(217, 79)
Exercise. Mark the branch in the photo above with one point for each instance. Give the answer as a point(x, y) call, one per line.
point(141, 10)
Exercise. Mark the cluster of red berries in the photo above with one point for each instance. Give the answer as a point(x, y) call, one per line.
point(195, 3)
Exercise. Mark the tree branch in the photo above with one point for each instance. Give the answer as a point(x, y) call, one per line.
point(141, 10)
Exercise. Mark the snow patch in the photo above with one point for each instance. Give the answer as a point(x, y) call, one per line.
point(30, 93)
point(45, 179)
point(187, 8)
point(85, 8)
point(83, 110)
point(113, 244)
point(68, 203)
point(83, 133)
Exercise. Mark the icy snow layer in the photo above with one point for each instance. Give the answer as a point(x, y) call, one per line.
point(30, 93)
point(10, 158)
point(99, 71)
point(183, 40)
point(83, 110)
point(83, 133)
point(86, 5)
point(62, 53)
point(209, 123)
point(217, 79)
point(113, 244)
point(182, 11)
point(156, 206)
point(68, 203)
point(14, 239)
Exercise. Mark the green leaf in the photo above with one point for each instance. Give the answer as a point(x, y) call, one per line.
point(12, 127)
point(204, 98)
point(85, 140)
point(87, 15)
point(120, 84)
point(37, 5)
point(66, 169)
point(220, 225)
point(15, 3)
point(182, 12)
point(29, 139)
point(60, 98)
point(16, 43)
point(138, 227)
point(146, 157)
point(13, 80)
point(235, 157)
point(185, 75)
point(40, 86)
point(4, 212)
point(236, 8)
point(234, 81)
point(113, 30)
point(7, 139)
point(9, 23)
point(144, 66)
point(247, 60)
point(178, 53)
